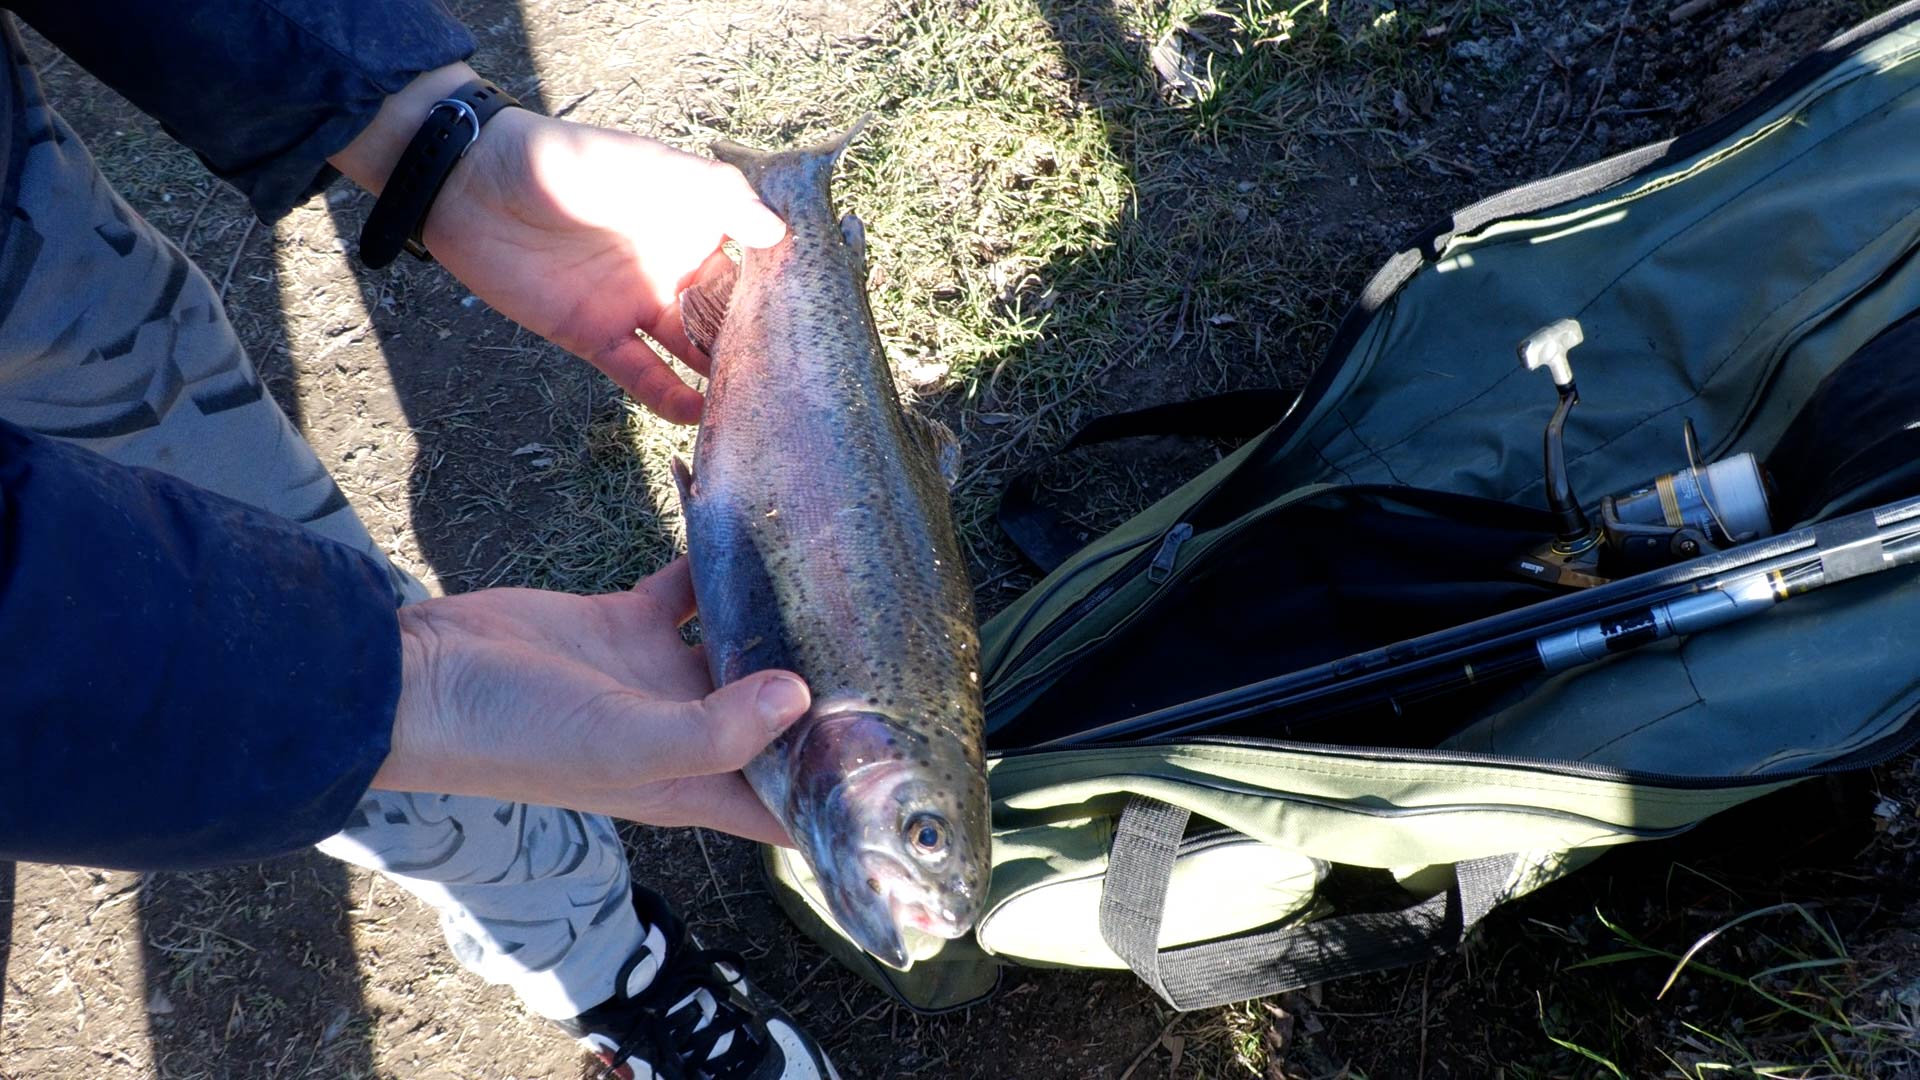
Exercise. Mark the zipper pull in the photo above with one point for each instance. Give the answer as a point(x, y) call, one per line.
point(1162, 566)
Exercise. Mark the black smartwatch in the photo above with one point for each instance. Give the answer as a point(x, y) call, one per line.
point(451, 127)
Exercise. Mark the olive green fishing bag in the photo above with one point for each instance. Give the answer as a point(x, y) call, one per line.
point(1756, 278)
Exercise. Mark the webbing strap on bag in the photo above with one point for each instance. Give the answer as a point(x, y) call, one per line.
point(1045, 536)
point(1258, 963)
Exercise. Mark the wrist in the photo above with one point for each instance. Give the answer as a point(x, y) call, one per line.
point(402, 770)
point(369, 159)
point(416, 179)
point(486, 168)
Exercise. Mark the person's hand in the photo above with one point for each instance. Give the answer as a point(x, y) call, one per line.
point(587, 702)
point(581, 234)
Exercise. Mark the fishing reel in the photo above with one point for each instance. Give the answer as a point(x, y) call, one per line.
point(1677, 516)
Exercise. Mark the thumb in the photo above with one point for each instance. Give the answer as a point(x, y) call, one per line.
point(724, 730)
point(741, 213)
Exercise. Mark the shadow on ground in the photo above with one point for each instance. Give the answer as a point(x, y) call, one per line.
point(254, 970)
point(249, 944)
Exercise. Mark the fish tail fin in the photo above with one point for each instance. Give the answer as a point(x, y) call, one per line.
point(779, 175)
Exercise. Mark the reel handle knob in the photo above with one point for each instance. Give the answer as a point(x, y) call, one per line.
point(1548, 347)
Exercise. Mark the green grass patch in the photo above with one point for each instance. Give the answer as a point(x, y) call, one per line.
point(1055, 227)
point(1772, 992)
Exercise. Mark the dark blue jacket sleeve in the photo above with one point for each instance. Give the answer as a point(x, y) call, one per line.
point(184, 680)
point(263, 90)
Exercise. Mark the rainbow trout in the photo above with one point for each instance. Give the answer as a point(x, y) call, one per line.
point(821, 535)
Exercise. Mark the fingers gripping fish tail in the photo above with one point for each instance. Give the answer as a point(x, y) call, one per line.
point(771, 171)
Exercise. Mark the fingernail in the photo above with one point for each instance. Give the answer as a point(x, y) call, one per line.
point(782, 699)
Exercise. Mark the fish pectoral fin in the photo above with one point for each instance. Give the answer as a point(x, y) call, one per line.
point(703, 304)
point(682, 482)
point(941, 445)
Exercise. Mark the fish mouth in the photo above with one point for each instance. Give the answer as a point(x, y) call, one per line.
point(879, 909)
point(870, 924)
point(883, 899)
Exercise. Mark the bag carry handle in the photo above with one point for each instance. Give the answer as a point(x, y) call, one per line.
point(1047, 538)
point(1255, 964)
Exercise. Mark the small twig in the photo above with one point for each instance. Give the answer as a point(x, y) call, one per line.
point(1538, 100)
point(237, 252)
point(1606, 77)
point(47, 69)
point(1425, 973)
point(575, 103)
point(1405, 985)
point(794, 994)
point(1566, 86)
point(187, 237)
point(1693, 9)
point(1141, 1057)
point(700, 836)
point(1003, 575)
point(1647, 110)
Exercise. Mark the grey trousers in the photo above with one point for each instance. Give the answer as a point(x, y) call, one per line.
point(111, 338)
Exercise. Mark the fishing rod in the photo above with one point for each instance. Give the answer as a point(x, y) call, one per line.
point(1554, 635)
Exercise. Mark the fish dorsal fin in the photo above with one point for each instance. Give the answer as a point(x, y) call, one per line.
point(703, 304)
point(940, 442)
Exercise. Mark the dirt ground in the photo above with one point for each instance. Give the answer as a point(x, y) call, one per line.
point(456, 437)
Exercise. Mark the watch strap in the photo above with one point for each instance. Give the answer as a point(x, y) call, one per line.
point(400, 213)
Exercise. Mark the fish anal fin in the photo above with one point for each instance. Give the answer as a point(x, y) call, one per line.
point(703, 304)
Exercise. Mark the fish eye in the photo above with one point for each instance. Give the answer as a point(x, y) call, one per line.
point(927, 834)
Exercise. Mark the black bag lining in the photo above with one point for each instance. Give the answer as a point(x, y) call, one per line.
point(1340, 572)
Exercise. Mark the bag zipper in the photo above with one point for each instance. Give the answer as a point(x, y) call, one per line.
point(1056, 627)
point(1150, 558)
point(1161, 568)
